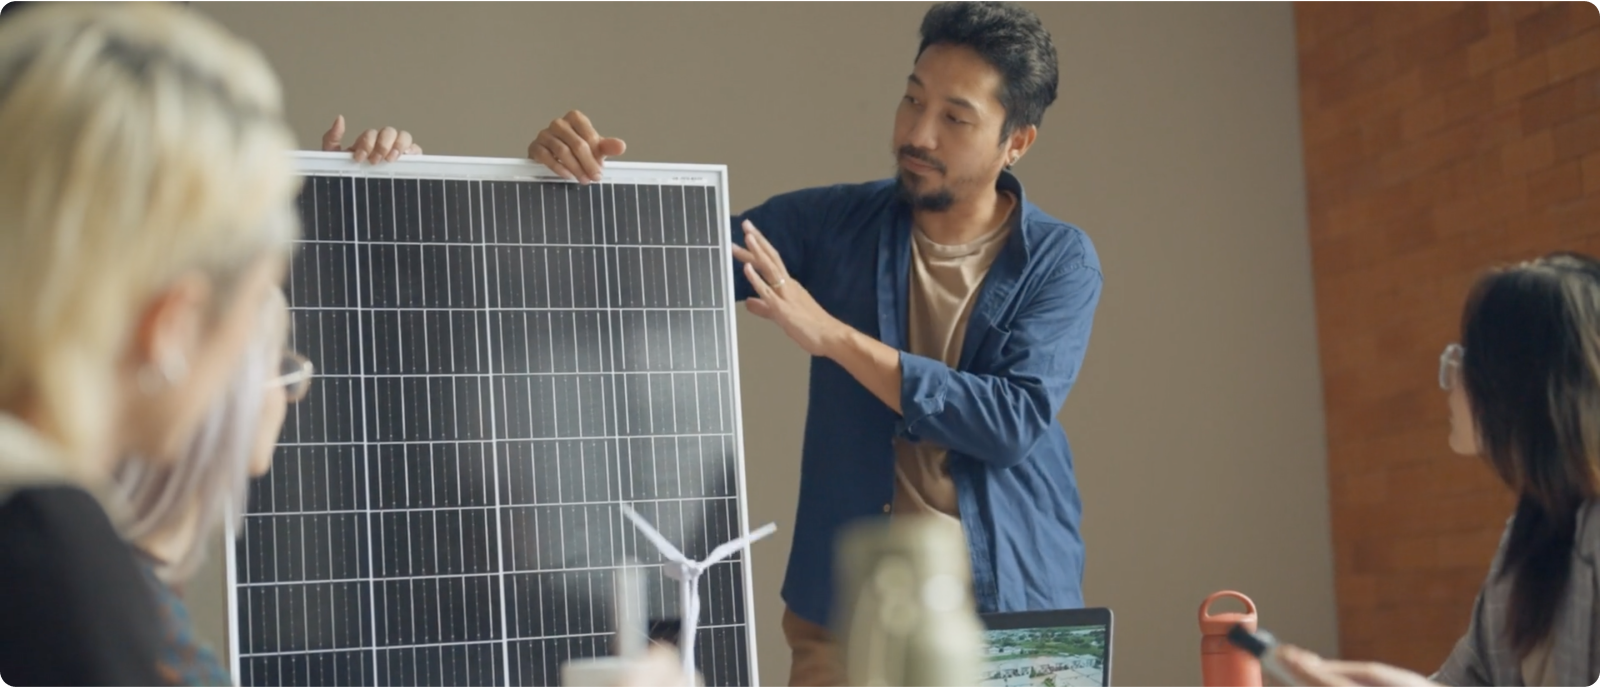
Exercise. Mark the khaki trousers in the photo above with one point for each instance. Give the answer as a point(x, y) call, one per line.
point(815, 660)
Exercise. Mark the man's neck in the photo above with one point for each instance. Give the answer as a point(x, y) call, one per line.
point(967, 220)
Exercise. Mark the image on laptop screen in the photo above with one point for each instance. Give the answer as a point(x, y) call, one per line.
point(1047, 656)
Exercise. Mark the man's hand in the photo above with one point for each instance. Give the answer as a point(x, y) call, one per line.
point(1310, 669)
point(784, 300)
point(572, 148)
point(373, 145)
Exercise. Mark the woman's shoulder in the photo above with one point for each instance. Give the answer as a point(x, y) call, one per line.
point(1586, 543)
point(53, 522)
point(56, 539)
point(73, 605)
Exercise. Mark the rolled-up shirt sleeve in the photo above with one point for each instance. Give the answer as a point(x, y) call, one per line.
point(997, 417)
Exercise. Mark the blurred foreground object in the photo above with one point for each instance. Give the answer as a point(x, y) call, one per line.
point(906, 614)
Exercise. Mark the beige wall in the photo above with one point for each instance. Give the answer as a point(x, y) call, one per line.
point(1175, 143)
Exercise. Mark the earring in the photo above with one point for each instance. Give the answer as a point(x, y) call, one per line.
point(167, 371)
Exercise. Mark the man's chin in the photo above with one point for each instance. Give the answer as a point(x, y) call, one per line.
point(927, 202)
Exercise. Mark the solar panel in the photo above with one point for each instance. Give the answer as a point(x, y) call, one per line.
point(504, 359)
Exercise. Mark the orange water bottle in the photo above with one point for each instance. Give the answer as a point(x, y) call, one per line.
point(1221, 663)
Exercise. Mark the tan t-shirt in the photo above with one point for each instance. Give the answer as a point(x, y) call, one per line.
point(944, 285)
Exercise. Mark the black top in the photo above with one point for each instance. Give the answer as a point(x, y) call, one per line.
point(74, 608)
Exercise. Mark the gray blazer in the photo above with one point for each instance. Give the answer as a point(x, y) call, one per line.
point(1484, 657)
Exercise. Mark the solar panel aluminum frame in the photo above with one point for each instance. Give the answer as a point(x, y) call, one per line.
point(438, 167)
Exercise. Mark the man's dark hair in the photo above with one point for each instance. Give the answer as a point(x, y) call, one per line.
point(1011, 39)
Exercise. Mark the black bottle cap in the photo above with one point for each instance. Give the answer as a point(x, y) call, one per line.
point(1258, 643)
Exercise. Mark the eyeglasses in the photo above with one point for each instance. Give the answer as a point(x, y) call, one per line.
point(1450, 365)
point(294, 375)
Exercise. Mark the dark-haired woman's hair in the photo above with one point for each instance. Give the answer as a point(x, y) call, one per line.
point(1532, 373)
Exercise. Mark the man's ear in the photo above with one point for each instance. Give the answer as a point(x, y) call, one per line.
point(1018, 143)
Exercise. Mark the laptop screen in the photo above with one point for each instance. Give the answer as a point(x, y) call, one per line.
point(1048, 653)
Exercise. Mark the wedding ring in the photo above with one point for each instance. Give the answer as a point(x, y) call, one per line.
point(780, 283)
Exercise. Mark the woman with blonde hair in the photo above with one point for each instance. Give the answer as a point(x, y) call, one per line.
point(145, 217)
point(1524, 394)
point(173, 508)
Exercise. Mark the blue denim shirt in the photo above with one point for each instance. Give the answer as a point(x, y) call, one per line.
point(850, 245)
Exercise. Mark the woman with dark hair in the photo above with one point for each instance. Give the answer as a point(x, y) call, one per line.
point(1524, 385)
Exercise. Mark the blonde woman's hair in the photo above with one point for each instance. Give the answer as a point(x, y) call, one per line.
point(208, 484)
point(137, 143)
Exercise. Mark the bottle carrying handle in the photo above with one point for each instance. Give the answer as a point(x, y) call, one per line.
point(1205, 608)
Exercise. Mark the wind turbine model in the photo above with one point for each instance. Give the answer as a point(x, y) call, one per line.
point(687, 573)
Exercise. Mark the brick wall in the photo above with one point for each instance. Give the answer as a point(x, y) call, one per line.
point(1440, 138)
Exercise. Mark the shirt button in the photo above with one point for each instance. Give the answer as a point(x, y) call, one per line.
point(885, 507)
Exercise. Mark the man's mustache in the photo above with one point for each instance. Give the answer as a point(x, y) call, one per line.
point(921, 155)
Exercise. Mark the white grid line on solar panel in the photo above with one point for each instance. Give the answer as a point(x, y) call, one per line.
point(447, 604)
point(427, 362)
point(611, 352)
point(560, 514)
point(446, 509)
point(492, 244)
point(418, 642)
point(649, 384)
point(705, 526)
point(552, 194)
point(454, 442)
point(633, 602)
point(464, 169)
point(269, 532)
point(403, 647)
point(504, 375)
point(486, 208)
point(701, 465)
point(520, 569)
point(661, 241)
point(537, 333)
point(695, 455)
point(405, 473)
point(372, 608)
point(729, 562)
point(487, 308)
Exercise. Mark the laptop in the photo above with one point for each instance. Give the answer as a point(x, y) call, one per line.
point(1070, 648)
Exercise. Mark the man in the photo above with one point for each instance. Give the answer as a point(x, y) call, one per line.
point(947, 318)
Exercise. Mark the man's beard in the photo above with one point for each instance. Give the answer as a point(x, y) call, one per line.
point(937, 200)
point(906, 184)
